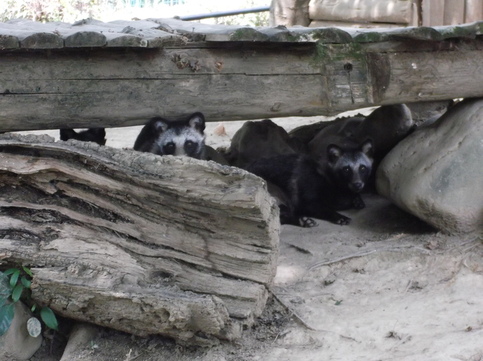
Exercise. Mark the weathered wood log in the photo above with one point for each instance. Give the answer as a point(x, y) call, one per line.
point(138, 242)
point(171, 68)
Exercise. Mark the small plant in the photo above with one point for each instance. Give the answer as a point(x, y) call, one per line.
point(13, 283)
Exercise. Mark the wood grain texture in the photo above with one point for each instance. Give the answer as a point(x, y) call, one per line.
point(433, 12)
point(289, 12)
point(159, 33)
point(454, 12)
point(382, 11)
point(113, 88)
point(137, 242)
point(473, 10)
point(171, 68)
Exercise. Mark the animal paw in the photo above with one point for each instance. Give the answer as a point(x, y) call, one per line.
point(307, 222)
point(358, 203)
point(342, 220)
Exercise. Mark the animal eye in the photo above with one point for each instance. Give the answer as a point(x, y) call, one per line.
point(189, 144)
point(346, 169)
point(169, 148)
point(362, 168)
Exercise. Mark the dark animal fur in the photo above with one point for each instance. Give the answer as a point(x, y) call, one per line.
point(386, 126)
point(319, 188)
point(97, 135)
point(261, 139)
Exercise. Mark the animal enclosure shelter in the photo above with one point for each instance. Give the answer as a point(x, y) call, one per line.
point(197, 242)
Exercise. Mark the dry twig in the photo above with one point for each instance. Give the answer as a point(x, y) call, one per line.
point(302, 321)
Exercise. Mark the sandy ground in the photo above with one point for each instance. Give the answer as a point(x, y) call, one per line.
point(385, 287)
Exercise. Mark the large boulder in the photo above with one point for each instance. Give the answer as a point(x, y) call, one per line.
point(436, 173)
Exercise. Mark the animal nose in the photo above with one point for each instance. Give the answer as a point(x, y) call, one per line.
point(358, 185)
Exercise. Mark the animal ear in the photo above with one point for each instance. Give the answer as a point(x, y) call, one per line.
point(197, 121)
point(160, 125)
point(333, 152)
point(367, 147)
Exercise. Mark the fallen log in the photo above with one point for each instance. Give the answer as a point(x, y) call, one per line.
point(138, 242)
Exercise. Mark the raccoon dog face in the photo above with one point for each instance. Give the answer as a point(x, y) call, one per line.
point(180, 138)
point(351, 168)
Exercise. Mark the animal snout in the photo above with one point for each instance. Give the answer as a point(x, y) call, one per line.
point(358, 186)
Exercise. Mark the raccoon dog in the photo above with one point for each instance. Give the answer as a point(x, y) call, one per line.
point(97, 135)
point(181, 137)
point(319, 187)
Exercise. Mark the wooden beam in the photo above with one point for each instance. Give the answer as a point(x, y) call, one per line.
point(281, 72)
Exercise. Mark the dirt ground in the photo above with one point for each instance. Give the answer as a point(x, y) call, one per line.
point(385, 287)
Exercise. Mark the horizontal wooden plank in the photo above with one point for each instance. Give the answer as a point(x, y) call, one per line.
point(158, 33)
point(88, 33)
point(9, 41)
point(303, 72)
point(79, 39)
point(469, 31)
point(430, 76)
point(100, 88)
point(383, 11)
point(328, 34)
point(132, 102)
point(30, 40)
point(345, 24)
point(410, 33)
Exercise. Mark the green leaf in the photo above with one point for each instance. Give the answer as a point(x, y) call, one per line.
point(14, 278)
point(27, 271)
point(25, 282)
point(6, 317)
point(17, 292)
point(33, 308)
point(48, 316)
point(10, 271)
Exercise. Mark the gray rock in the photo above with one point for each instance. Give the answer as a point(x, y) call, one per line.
point(16, 344)
point(436, 173)
point(428, 112)
point(80, 336)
